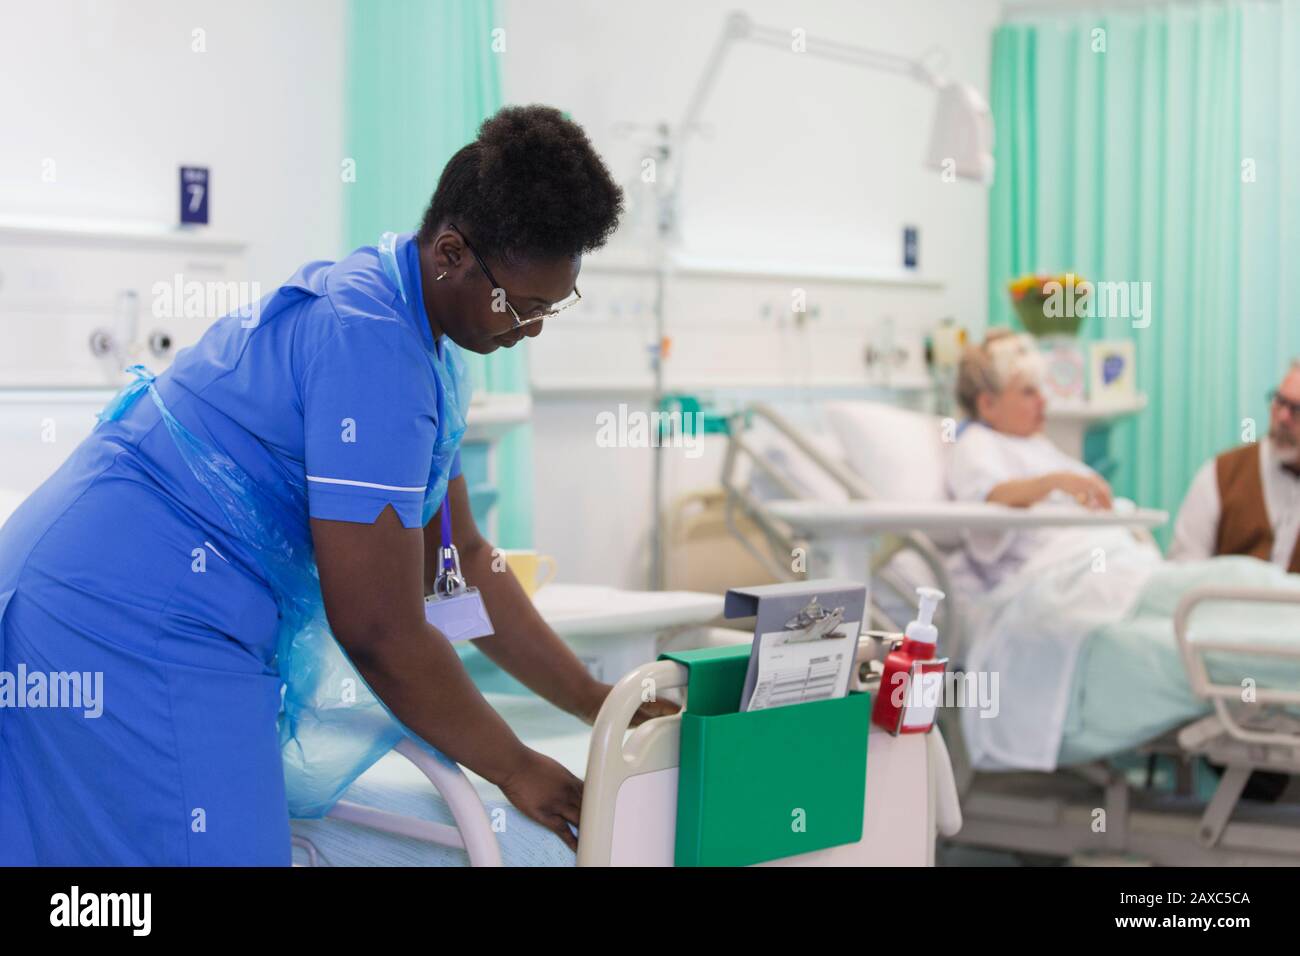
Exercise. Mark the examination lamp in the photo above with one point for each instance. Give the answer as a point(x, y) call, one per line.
point(961, 144)
point(962, 132)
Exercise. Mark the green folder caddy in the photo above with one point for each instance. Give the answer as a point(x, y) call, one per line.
point(766, 784)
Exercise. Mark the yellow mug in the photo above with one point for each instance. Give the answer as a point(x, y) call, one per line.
point(526, 565)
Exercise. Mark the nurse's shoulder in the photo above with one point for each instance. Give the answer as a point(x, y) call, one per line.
point(353, 290)
point(356, 307)
point(368, 395)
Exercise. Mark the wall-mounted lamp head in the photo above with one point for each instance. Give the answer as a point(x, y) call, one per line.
point(962, 136)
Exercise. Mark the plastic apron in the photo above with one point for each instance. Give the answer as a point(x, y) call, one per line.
point(332, 725)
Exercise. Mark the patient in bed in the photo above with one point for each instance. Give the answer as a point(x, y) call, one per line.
point(1003, 456)
point(1043, 604)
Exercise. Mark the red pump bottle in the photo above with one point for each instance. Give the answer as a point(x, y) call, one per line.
point(895, 708)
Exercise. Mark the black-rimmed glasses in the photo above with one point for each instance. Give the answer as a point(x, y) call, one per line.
point(1281, 401)
point(528, 318)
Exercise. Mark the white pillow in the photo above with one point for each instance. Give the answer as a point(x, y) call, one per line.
point(899, 453)
point(792, 464)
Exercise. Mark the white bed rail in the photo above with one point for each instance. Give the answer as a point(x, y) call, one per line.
point(1194, 651)
point(616, 756)
point(612, 759)
point(472, 831)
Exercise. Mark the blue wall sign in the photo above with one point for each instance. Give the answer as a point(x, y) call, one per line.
point(194, 194)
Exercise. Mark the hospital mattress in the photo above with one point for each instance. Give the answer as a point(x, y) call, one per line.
point(1130, 685)
point(394, 784)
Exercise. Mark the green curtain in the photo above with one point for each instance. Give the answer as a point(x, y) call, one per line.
point(421, 76)
point(1170, 158)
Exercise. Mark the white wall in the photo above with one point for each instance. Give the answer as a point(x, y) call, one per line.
point(803, 159)
point(804, 162)
point(811, 163)
point(114, 94)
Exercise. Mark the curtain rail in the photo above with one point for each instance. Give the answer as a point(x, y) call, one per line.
point(1011, 10)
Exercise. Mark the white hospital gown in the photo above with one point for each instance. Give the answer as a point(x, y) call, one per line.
point(982, 459)
point(1041, 597)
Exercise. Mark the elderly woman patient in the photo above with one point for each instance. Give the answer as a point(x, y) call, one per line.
point(1002, 455)
point(1045, 604)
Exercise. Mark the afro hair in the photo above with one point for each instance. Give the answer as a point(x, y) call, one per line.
point(530, 186)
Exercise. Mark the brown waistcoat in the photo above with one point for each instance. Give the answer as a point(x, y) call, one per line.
point(1243, 519)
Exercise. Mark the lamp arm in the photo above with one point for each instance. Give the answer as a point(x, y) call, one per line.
point(739, 26)
point(736, 26)
point(848, 53)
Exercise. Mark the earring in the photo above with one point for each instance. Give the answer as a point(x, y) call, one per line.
point(440, 278)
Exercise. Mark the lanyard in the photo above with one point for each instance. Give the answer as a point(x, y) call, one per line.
point(449, 580)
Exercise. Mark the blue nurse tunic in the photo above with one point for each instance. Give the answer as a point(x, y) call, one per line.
point(122, 565)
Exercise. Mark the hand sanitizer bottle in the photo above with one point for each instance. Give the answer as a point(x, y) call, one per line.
point(890, 709)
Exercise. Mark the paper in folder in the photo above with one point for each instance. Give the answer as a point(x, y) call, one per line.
point(805, 640)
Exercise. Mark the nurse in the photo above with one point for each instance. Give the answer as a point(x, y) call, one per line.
point(342, 393)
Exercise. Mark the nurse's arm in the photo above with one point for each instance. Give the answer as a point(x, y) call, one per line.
point(524, 645)
point(371, 577)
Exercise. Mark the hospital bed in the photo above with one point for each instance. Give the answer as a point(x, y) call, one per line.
point(425, 813)
point(412, 809)
point(1161, 803)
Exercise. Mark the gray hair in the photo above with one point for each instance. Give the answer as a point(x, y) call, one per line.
point(988, 367)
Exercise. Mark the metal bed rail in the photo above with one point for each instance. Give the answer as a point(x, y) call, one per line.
point(781, 540)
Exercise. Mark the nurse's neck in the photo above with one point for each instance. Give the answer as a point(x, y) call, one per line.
point(428, 278)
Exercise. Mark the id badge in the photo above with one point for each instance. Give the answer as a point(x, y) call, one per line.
point(460, 616)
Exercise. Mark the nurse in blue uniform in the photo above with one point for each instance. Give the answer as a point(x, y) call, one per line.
point(123, 568)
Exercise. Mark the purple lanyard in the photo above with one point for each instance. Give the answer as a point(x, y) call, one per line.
point(449, 579)
point(447, 546)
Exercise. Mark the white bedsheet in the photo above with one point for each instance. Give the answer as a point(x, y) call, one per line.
point(1029, 632)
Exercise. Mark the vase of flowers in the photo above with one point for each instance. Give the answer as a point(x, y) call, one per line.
point(1051, 304)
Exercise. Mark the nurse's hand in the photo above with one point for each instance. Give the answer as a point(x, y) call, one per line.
point(545, 792)
point(652, 709)
point(647, 711)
